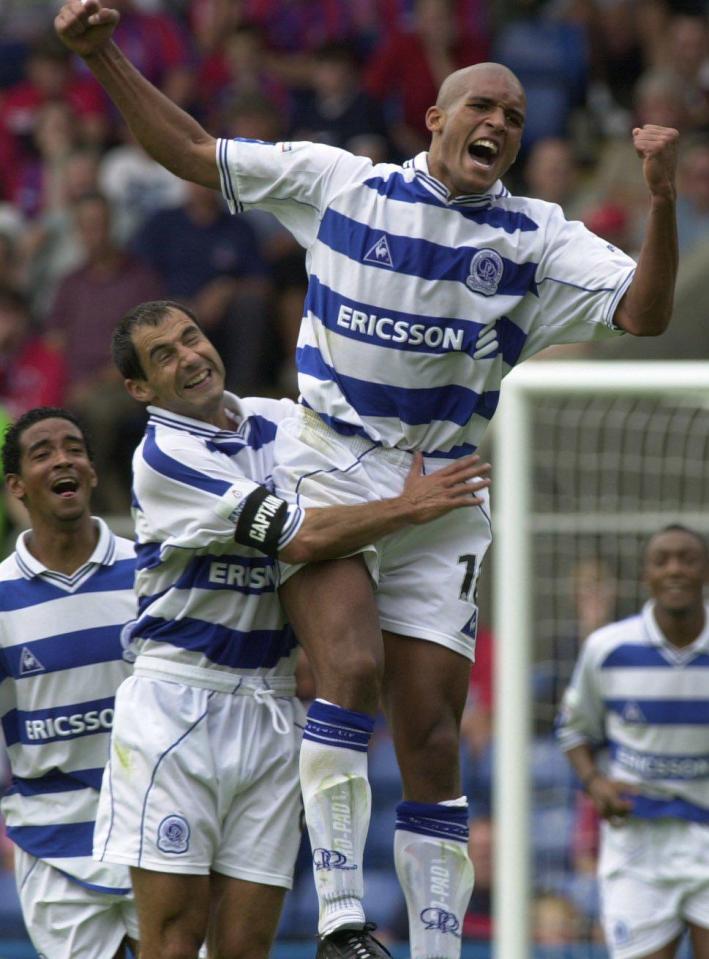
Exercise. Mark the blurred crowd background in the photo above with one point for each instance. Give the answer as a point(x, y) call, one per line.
point(90, 226)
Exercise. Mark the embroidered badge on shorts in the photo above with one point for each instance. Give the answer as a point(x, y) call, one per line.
point(174, 835)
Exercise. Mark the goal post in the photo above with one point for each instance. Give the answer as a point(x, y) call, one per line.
point(601, 453)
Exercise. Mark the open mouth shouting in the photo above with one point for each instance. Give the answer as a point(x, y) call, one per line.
point(66, 487)
point(483, 152)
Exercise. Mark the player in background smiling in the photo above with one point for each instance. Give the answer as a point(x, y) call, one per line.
point(65, 595)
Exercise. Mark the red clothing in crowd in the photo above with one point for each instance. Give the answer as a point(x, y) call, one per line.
point(34, 376)
point(22, 103)
point(400, 69)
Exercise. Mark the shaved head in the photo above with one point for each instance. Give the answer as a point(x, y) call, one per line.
point(457, 84)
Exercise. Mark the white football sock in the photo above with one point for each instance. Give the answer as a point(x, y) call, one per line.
point(337, 800)
point(435, 873)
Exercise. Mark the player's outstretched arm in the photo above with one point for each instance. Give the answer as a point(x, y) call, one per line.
point(333, 531)
point(646, 308)
point(171, 136)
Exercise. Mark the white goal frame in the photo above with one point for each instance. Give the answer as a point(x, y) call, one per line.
point(511, 497)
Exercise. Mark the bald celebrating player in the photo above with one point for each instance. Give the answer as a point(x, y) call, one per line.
point(428, 282)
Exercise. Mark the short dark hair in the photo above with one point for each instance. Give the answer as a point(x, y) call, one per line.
point(12, 450)
point(123, 350)
point(679, 528)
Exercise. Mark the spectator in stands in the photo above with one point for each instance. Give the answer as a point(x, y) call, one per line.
point(159, 47)
point(555, 920)
point(50, 78)
point(210, 261)
point(211, 20)
point(240, 68)
point(622, 41)
point(687, 59)
point(552, 173)
point(136, 186)
point(406, 71)
point(89, 302)
point(659, 99)
point(337, 109)
point(548, 50)
point(49, 248)
point(258, 118)
point(294, 30)
point(39, 176)
point(32, 372)
point(693, 194)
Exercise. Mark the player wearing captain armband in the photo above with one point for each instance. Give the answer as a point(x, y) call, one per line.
point(635, 727)
point(65, 594)
point(201, 798)
point(428, 283)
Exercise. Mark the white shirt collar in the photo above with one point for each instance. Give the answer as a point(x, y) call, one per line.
point(658, 638)
point(104, 553)
point(420, 164)
point(233, 405)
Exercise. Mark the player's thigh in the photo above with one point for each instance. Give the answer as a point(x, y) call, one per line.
point(425, 688)
point(157, 808)
point(261, 806)
point(243, 918)
point(332, 609)
point(428, 579)
point(699, 935)
point(64, 919)
point(640, 917)
point(173, 910)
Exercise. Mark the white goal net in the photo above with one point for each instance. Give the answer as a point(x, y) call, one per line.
point(590, 458)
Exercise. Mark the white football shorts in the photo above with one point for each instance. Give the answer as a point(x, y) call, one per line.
point(200, 780)
point(426, 575)
point(653, 880)
point(66, 920)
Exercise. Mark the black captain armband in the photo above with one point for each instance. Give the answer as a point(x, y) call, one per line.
point(261, 521)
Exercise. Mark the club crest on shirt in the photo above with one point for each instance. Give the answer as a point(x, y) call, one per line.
point(174, 835)
point(486, 269)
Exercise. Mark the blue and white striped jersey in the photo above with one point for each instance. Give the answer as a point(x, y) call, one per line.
point(61, 661)
point(208, 610)
point(646, 701)
point(404, 280)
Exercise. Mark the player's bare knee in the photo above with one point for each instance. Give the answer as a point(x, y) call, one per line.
point(255, 945)
point(175, 941)
point(429, 751)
